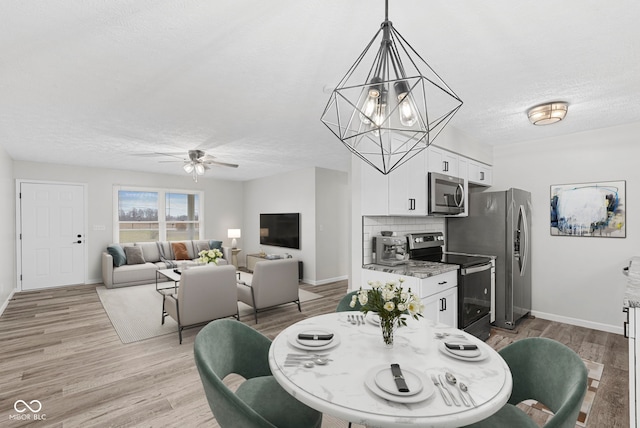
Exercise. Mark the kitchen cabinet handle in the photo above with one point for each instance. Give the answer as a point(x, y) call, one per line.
point(412, 204)
point(625, 325)
point(442, 283)
point(445, 166)
point(481, 175)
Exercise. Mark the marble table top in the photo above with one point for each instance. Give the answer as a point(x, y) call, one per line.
point(339, 388)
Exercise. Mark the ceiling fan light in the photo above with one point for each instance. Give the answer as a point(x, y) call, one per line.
point(188, 167)
point(199, 169)
point(546, 114)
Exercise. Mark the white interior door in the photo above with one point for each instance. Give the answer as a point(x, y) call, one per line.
point(52, 235)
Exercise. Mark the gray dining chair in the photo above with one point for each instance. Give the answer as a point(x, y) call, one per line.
point(547, 371)
point(228, 346)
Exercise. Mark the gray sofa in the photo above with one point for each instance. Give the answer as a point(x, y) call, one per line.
point(141, 265)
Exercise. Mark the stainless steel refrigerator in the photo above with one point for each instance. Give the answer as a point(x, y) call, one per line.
point(499, 224)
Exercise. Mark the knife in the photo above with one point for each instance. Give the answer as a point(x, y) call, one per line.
point(460, 347)
point(304, 336)
point(399, 378)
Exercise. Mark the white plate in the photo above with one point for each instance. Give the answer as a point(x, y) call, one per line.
point(373, 318)
point(384, 380)
point(293, 339)
point(427, 387)
point(479, 355)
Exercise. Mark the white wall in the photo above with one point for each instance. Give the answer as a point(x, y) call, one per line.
point(332, 225)
point(223, 200)
point(576, 279)
point(301, 191)
point(8, 231)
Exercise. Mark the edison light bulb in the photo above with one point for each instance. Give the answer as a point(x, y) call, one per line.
point(406, 108)
point(380, 113)
point(370, 104)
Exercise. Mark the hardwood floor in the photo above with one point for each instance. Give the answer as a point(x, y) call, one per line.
point(58, 347)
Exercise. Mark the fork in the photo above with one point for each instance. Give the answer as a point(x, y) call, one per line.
point(351, 319)
point(436, 383)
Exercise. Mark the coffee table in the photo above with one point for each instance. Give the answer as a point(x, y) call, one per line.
point(172, 276)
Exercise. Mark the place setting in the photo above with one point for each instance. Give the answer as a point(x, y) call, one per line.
point(314, 339)
point(400, 385)
point(462, 350)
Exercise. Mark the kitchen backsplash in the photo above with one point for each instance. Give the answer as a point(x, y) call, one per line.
point(372, 226)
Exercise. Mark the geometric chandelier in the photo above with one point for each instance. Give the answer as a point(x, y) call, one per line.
point(388, 112)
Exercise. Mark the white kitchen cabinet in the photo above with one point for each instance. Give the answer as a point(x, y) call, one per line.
point(442, 161)
point(442, 307)
point(408, 187)
point(480, 173)
point(633, 326)
point(439, 295)
point(374, 191)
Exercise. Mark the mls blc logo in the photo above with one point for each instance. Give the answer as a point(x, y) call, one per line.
point(33, 406)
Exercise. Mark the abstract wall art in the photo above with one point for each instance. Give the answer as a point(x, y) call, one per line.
point(589, 209)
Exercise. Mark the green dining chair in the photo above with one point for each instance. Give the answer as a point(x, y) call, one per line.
point(343, 304)
point(228, 346)
point(547, 371)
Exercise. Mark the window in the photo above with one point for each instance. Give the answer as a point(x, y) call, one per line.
point(157, 215)
point(182, 213)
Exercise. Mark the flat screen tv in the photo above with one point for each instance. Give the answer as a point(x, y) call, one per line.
point(280, 230)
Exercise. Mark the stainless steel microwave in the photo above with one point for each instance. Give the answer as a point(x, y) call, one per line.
point(446, 194)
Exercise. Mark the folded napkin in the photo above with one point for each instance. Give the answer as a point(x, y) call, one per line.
point(308, 336)
point(461, 346)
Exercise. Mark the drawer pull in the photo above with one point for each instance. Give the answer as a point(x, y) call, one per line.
point(442, 283)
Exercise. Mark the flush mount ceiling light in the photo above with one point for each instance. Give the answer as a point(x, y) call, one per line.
point(388, 112)
point(546, 114)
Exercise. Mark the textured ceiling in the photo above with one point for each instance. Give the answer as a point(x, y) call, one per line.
point(105, 83)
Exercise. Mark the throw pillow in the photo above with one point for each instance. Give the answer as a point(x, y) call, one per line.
point(180, 250)
point(215, 244)
point(119, 257)
point(202, 246)
point(134, 255)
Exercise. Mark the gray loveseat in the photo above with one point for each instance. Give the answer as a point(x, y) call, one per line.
point(140, 264)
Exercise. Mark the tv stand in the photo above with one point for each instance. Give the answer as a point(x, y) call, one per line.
point(252, 259)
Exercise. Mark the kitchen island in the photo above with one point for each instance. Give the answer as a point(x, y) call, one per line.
point(435, 283)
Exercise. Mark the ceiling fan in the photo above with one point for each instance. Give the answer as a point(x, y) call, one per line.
point(198, 162)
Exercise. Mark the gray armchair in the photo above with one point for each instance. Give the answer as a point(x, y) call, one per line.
point(274, 282)
point(206, 293)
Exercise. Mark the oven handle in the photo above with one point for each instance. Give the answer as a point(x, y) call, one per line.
point(475, 269)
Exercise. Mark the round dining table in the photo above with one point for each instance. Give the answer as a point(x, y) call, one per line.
point(356, 384)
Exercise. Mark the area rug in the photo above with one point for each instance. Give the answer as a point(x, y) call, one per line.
point(541, 413)
point(136, 312)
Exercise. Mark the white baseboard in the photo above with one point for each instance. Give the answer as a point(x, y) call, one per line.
point(6, 302)
point(580, 323)
point(326, 281)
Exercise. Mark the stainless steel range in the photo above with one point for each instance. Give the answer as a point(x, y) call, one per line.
point(474, 280)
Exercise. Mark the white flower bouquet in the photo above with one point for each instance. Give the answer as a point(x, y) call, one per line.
point(210, 256)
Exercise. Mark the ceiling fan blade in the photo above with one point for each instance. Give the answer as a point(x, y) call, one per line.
point(230, 165)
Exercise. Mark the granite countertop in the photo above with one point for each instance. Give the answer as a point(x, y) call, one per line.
point(418, 269)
